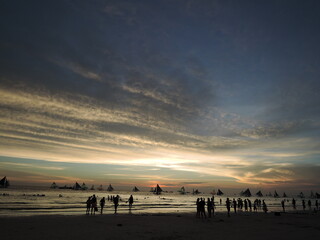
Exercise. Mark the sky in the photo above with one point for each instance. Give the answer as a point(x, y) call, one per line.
point(195, 93)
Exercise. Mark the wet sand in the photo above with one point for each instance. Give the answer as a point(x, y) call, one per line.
point(163, 226)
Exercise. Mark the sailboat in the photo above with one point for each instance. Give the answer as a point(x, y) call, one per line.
point(84, 187)
point(110, 188)
point(92, 187)
point(135, 189)
point(194, 192)
point(219, 193)
point(100, 188)
point(182, 190)
point(157, 190)
point(4, 183)
point(54, 185)
point(312, 195)
point(246, 193)
point(276, 195)
point(259, 194)
point(76, 186)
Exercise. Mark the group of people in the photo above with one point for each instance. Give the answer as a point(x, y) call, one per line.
point(293, 202)
point(201, 212)
point(92, 203)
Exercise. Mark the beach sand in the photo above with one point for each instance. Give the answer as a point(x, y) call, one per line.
point(163, 226)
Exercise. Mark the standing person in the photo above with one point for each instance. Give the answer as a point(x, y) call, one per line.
point(130, 200)
point(309, 204)
point(294, 204)
point(234, 206)
point(228, 206)
point(198, 207)
point(102, 203)
point(202, 208)
point(317, 205)
point(303, 205)
point(249, 204)
point(246, 205)
point(116, 203)
point(213, 205)
point(88, 202)
point(209, 207)
point(264, 207)
point(93, 205)
point(282, 204)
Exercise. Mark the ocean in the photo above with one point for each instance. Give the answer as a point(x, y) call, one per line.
point(26, 201)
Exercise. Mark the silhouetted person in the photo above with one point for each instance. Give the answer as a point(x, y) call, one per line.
point(213, 205)
point(246, 205)
point(130, 200)
point(264, 207)
point(209, 207)
point(294, 204)
point(102, 203)
point(282, 204)
point(249, 204)
point(303, 205)
point(93, 204)
point(88, 202)
point(234, 205)
point(309, 204)
point(202, 208)
point(198, 207)
point(228, 206)
point(317, 205)
point(220, 201)
point(116, 203)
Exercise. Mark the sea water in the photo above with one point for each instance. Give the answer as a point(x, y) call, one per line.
point(36, 201)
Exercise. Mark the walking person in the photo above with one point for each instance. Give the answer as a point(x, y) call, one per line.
point(116, 203)
point(130, 200)
point(264, 207)
point(283, 207)
point(102, 203)
point(88, 202)
point(228, 206)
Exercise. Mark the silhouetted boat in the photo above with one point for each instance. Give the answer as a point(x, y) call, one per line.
point(195, 192)
point(92, 187)
point(157, 190)
point(4, 183)
point(182, 191)
point(312, 195)
point(100, 188)
point(276, 195)
point(54, 185)
point(219, 193)
point(84, 187)
point(76, 186)
point(259, 194)
point(317, 195)
point(135, 189)
point(246, 193)
point(110, 188)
